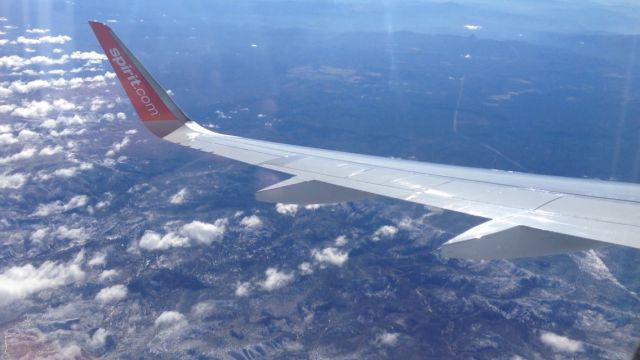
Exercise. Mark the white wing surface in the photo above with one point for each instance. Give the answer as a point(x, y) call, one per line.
point(528, 215)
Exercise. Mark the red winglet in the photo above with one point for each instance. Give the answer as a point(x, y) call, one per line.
point(142, 90)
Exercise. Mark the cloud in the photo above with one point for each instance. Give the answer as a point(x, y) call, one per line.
point(22, 87)
point(388, 339)
point(305, 268)
point(91, 57)
point(7, 139)
point(206, 233)
point(74, 234)
point(99, 338)
point(48, 39)
point(26, 134)
point(37, 31)
point(385, 232)
point(330, 255)
point(242, 289)
point(17, 62)
point(58, 206)
point(13, 181)
point(117, 147)
point(170, 318)
point(6, 108)
point(21, 281)
point(99, 259)
point(107, 275)
point(195, 232)
point(275, 279)
point(50, 150)
point(40, 109)
point(472, 27)
point(251, 222)
point(3, 42)
point(341, 240)
point(112, 294)
point(151, 240)
point(178, 198)
point(39, 234)
point(67, 172)
point(26, 153)
point(286, 209)
point(560, 343)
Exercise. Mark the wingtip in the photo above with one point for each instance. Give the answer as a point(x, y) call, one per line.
point(96, 23)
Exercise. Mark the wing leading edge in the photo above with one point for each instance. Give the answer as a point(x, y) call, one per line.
point(529, 215)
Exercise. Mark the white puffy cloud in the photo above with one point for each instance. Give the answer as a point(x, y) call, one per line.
point(26, 135)
point(47, 39)
point(170, 318)
point(21, 281)
point(251, 222)
point(40, 109)
point(472, 27)
point(66, 172)
point(286, 209)
point(58, 206)
point(275, 279)
point(25, 153)
point(99, 338)
point(151, 240)
point(3, 42)
point(341, 240)
point(385, 232)
point(560, 343)
point(17, 62)
point(330, 255)
point(6, 108)
point(91, 56)
point(13, 181)
point(179, 197)
point(206, 233)
point(117, 147)
point(50, 150)
point(74, 234)
point(388, 339)
point(99, 259)
point(39, 234)
point(107, 275)
point(242, 289)
point(37, 31)
point(33, 109)
point(112, 294)
point(22, 87)
point(305, 268)
point(7, 139)
point(123, 116)
point(195, 232)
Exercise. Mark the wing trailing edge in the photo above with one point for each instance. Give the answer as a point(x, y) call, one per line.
point(297, 190)
point(498, 239)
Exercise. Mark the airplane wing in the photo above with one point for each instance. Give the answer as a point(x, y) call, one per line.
point(528, 215)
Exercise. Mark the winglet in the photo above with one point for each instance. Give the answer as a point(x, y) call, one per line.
point(154, 106)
